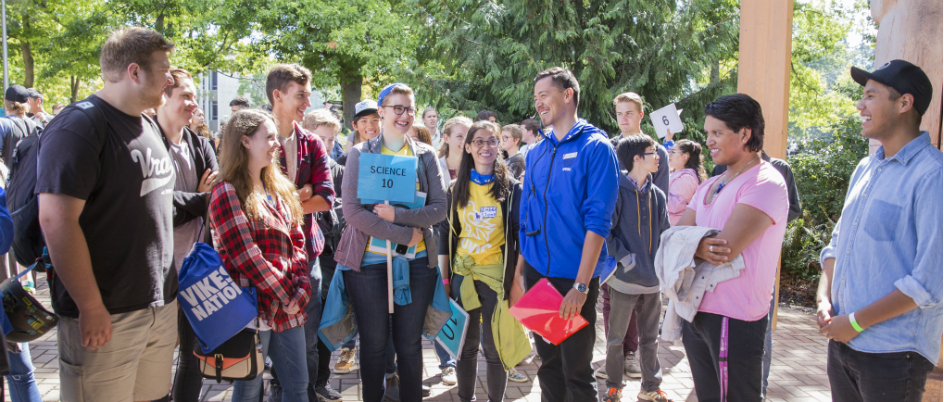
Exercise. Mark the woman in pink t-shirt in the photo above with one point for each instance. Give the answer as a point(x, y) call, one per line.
point(749, 205)
point(685, 161)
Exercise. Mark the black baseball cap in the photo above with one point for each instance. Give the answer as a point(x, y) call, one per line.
point(905, 77)
point(16, 93)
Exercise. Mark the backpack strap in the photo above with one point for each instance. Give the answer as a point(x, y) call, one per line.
point(98, 119)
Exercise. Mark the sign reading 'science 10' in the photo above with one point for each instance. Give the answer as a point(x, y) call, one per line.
point(386, 177)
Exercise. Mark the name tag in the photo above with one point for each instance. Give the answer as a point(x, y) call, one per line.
point(570, 155)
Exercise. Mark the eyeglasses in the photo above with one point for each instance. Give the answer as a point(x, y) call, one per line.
point(478, 142)
point(400, 109)
point(675, 152)
point(649, 154)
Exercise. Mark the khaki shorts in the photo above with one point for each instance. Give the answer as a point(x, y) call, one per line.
point(135, 365)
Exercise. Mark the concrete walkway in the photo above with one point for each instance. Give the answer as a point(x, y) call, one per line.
point(798, 372)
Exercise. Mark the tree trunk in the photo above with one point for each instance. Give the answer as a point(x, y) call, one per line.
point(715, 71)
point(350, 95)
point(74, 86)
point(27, 58)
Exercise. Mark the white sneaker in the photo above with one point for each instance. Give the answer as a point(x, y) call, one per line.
point(449, 376)
point(631, 366)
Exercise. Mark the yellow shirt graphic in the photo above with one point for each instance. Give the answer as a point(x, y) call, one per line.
point(405, 151)
point(483, 233)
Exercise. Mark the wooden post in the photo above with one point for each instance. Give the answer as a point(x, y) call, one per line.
point(766, 39)
point(764, 65)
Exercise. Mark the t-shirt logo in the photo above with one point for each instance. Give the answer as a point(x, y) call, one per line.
point(156, 172)
point(488, 212)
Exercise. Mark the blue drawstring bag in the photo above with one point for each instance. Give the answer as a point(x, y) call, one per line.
point(215, 305)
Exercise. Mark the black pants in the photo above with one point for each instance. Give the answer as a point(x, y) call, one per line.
point(188, 381)
point(856, 376)
point(708, 341)
point(566, 373)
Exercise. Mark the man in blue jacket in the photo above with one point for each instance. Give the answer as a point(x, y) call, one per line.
point(570, 188)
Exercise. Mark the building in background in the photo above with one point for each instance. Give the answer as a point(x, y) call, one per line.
point(215, 90)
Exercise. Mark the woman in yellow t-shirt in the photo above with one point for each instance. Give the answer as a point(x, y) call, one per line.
point(480, 244)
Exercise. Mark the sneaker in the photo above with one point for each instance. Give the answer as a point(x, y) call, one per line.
point(392, 392)
point(345, 361)
point(427, 390)
point(449, 376)
point(613, 395)
point(516, 376)
point(601, 373)
point(328, 394)
point(275, 391)
point(656, 396)
point(631, 366)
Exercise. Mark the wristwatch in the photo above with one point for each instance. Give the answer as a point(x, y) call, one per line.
point(581, 287)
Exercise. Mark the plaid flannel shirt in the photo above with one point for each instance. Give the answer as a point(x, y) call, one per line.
point(267, 253)
point(312, 169)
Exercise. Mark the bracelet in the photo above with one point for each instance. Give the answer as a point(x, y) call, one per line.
point(445, 281)
point(855, 325)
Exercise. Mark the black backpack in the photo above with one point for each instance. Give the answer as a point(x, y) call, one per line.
point(22, 201)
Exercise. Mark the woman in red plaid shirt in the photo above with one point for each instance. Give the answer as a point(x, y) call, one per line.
point(256, 221)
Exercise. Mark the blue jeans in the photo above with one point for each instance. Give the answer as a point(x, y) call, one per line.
point(313, 309)
point(287, 351)
point(22, 384)
point(368, 294)
point(445, 360)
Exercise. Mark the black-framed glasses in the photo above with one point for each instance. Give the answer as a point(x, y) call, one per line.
point(649, 154)
point(478, 142)
point(400, 109)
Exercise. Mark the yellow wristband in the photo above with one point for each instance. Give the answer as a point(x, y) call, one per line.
point(855, 325)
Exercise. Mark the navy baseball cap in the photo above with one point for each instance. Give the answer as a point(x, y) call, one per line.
point(16, 93)
point(386, 91)
point(904, 77)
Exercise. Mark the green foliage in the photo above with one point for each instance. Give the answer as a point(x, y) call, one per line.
point(484, 54)
point(822, 169)
point(819, 64)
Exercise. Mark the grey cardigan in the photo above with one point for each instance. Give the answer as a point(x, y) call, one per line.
point(362, 223)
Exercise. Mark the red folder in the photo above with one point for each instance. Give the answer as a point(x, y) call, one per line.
point(539, 311)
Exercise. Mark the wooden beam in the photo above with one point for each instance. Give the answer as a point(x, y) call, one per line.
point(764, 65)
point(764, 49)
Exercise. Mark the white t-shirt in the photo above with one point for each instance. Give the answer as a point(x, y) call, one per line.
point(290, 145)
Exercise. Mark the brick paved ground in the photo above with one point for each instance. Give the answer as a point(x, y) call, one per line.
point(798, 372)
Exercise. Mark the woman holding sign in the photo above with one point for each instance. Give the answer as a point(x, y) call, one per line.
point(362, 252)
point(480, 245)
point(255, 217)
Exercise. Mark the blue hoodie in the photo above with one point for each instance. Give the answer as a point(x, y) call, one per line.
point(570, 187)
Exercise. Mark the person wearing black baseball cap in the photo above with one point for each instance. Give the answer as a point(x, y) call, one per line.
point(879, 299)
point(15, 100)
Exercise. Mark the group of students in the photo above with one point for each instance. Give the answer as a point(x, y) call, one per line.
point(121, 209)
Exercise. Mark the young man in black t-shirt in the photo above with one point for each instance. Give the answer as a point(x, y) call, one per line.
point(105, 202)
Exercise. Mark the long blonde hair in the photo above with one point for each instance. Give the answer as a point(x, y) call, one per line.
point(234, 166)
